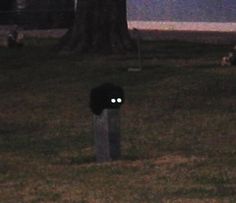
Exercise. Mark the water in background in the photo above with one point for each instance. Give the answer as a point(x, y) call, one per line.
point(182, 10)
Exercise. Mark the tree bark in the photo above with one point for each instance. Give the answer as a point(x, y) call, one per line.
point(100, 26)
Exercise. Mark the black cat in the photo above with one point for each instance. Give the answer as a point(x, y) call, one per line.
point(106, 96)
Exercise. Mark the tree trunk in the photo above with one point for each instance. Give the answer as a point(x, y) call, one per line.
point(100, 26)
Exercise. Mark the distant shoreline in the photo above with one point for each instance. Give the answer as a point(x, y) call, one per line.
point(168, 26)
point(183, 26)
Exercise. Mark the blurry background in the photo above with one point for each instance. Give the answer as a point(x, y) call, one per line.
point(60, 13)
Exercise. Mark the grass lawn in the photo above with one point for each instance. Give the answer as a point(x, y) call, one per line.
point(178, 126)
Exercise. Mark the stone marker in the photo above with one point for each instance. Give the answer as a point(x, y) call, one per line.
point(105, 102)
point(107, 135)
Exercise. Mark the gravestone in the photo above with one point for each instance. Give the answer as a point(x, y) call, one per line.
point(107, 135)
point(105, 102)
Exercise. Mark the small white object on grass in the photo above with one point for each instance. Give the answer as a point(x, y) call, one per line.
point(225, 61)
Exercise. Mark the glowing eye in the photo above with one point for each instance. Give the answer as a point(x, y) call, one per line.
point(119, 100)
point(113, 101)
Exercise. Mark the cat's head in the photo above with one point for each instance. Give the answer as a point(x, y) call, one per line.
point(106, 96)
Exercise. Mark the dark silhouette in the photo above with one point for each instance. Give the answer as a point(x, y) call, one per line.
point(106, 96)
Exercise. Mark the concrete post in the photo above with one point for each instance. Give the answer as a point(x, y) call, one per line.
point(107, 135)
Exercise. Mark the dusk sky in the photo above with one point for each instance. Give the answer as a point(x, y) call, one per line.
point(182, 10)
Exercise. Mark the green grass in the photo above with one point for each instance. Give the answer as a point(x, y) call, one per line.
point(178, 125)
